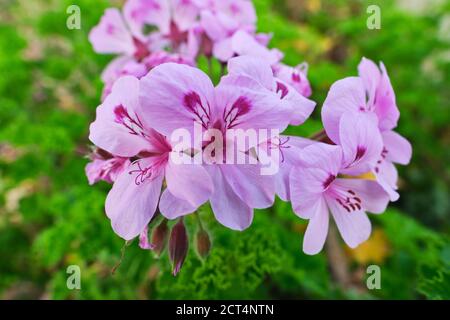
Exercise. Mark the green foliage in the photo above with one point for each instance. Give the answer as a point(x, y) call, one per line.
point(51, 218)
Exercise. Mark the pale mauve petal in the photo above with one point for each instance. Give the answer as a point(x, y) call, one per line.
point(131, 206)
point(322, 156)
point(345, 95)
point(173, 96)
point(252, 67)
point(111, 35)
point(373, 198)
point(121, 137)
point(244, 43)
point(256, 190)
point(387, 177)
point(399, 150)
point(361, 142)
point(189, 182)
point(371, 75)
point(172, 207)
point(223, 49)
point(317, 230)
point(228, 208)
point(385, 104)
point(307, 186)
point(354, 226)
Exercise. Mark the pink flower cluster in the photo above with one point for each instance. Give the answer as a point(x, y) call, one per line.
point(153, 88)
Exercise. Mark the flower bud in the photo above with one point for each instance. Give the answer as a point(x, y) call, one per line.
point(178, 246)
point(143, 240)
point(159, 237)
point(203, 243)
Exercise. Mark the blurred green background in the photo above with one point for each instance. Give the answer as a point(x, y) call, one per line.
point(50, 218)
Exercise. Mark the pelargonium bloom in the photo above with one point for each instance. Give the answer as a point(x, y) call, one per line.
point(259, 70)
point(122, 129)
point(230, 25)
point(370, 93)
point(317, 190)
point(178, 96)
point(105, 166)
point(113, 36)
point(124, 65)
point(296, 77)
point(175, 20)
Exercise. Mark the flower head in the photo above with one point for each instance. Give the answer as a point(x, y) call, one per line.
point(122, 129)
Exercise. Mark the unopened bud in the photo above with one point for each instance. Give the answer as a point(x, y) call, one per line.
point(203, 243)
point(143, 240)
point(178, 246)
point(159, 237)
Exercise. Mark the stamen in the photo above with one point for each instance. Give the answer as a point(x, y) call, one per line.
point(348, 200)
point(280, 145)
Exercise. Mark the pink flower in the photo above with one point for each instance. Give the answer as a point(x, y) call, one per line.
point(370, 93)
point(175, 20)
point(296, 77)
point(177, 96)
point(105, 167)
point(317, 189)
point(230, 25)
point(289, 148)
point(124, 65)
point(113, 36)
point(241, 68)
point(122, 128)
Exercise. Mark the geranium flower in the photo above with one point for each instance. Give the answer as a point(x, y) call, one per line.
point(175, 22)
point(178, 96)
point(370, 93)
point(296, 77)
point(230, 25)
point(122, 128)
point(317, 189)
point(259, 70)
point(105, 166)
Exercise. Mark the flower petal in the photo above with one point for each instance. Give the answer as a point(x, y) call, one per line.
point(387, 177)
point(317, 230)
point(345, 95)
point(354, 226)
point(130, 206)
point(361, 141)
point(385, 105)
point(245, 44)
point(307, 188)
point(256, 190)
point(253, 68)
point(263, 109)
point(373, 198)
point(322, 156)
point(172, 207)
point(399, 149)
point(227, 206)
point(370, 75)
point(117, 128)
point(174, 96)
point(111, 34)
point(189, 182)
